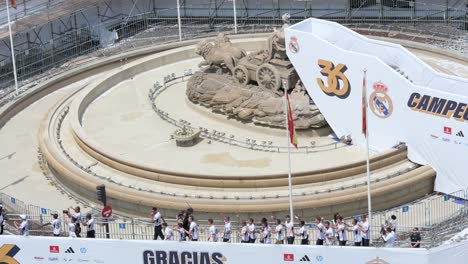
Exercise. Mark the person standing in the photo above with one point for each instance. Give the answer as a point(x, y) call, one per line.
point(2, 219)
point(279, 231)
point(341, 230)
point(245, 237)
point(193, 229)
point(181, 230)
point(389, 237)
point(71, 222)
point(90, 232)
point(23, 228)
point(365, 231)
point(320, 231)
point(168, 233)
point(266, 233)
point(185, 221)
point(251, 228)
point(77, 216)
point(303, 233)
point(357, 233)
point(415, 238)
point(156, 219)
point(329, 236)
point(227, 229)
point(289, 229)
point(56, 225)
point(213, 231)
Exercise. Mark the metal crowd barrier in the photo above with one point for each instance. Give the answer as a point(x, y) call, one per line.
point(446, 212)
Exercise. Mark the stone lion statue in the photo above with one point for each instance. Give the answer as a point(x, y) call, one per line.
point(219, 52)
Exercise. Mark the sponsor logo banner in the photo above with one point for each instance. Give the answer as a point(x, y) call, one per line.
point(169, 257)
point(288, 257)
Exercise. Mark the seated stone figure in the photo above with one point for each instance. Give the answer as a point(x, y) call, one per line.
point(276, 42)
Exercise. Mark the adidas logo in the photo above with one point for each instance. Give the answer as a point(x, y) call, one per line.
point(460, 134)
point(70, 250)
point(305, 258)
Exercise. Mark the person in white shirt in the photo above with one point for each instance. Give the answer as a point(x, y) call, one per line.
point(329, 236)
point(289, 230)
point(90, 232)
point(365, 231)
point(56, 225)
point(71, 222)
point(320, 231)
point(251, 230)
point(193, 229)
point(266, 233)
point(181, 230)
point(168, 233)
point(77, 216)
point(2, 219)
point(23, 228)
point(389, 237)
point(279, 231)
point(303, 233)
point(227, 229)
point(245, 238)
point(213, 237)
point(341, 231)
point(356, 232)
point(157, 220)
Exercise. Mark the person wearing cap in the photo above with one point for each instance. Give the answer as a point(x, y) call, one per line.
point(56, 224)
point(2, 219)
point(23, 228)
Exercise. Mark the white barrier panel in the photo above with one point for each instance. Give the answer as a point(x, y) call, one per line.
point(454, 253)
point(32, 250)
point(428, 111)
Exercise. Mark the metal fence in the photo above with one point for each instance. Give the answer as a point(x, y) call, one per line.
point(161, 25)
point(437, 218)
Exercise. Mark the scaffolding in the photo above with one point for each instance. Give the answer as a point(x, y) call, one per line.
point(53, 32)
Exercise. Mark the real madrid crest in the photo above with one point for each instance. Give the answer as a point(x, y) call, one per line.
point(380, 102)
point(293, 45)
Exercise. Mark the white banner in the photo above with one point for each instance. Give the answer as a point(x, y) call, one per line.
point(32, 250)
point(408, 101)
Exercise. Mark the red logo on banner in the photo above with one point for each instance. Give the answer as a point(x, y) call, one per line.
point(448, 130)
point(54, 249)
point(288, 257)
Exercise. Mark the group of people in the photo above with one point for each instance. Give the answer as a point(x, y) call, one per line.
point(187, 227)
point(73, 222)
point(332, 232)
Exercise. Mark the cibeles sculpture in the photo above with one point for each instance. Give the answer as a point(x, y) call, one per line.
point(250, 87)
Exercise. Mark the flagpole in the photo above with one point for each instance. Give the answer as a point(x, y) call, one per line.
point(289, 158)
point(12, 48)
point(179, 20)
point(369, 203)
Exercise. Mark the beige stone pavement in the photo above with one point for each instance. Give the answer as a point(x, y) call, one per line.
point(123, 122)
point(21, 176)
